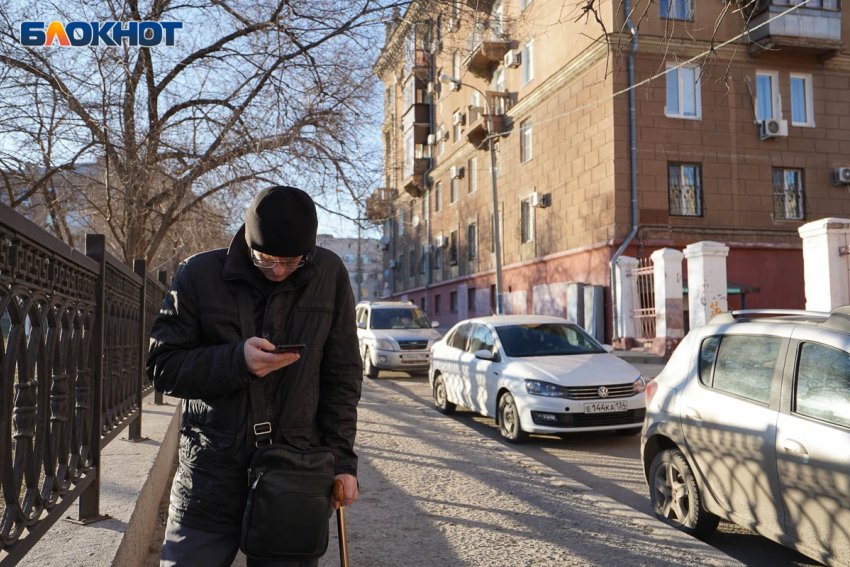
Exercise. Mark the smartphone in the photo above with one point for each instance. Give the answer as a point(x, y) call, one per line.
point(281, 349)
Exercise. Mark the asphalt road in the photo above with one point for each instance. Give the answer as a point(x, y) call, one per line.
point(609, 463)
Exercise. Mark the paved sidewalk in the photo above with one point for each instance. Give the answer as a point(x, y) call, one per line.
point(434, 492)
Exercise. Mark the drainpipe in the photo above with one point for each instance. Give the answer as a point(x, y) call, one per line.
point(431, 128)
point(632, 167)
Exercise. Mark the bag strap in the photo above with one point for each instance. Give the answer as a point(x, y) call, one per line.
point(262, 424)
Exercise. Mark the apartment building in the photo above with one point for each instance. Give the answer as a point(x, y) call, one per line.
point(366, 274)
point(741, 146)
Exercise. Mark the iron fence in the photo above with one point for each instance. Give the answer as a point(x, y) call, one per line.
point(74, 339)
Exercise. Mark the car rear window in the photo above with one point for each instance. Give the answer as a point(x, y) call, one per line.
point(742, 365)
point(823, 384)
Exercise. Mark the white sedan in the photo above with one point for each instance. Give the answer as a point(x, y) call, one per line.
point(535, 374)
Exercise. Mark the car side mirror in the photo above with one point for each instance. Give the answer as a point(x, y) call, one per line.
point(485, 354)
point(361, 325)
point(608, 348)
point(435, 324)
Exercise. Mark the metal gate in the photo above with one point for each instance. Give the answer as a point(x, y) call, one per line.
point(644, 276)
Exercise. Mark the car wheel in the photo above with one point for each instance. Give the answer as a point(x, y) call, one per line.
point(369, 369)
point(629, 431)
point(441, 398)
point(675, 496)
point(509, 425)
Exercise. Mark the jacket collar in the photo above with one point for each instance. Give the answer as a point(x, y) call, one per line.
point(238, 266)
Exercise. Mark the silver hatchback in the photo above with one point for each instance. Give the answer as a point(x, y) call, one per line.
point(750, 422)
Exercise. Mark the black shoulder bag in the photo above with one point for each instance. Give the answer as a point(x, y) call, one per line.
point(289, 499)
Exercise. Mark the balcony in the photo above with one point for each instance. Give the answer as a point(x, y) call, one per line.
point(486, 50)
point(421, 64)
point(418, 119)
point(813, 29)
point(479, 124)
point(412, 173)
point(379, 205)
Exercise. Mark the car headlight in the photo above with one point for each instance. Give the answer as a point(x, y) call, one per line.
point(639, 385)
point(383, 344)
point(539, 388)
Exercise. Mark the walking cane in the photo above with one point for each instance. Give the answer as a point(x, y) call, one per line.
point(339, 494)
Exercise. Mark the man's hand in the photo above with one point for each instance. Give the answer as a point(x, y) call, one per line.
point(349, 486)
point(260, 361)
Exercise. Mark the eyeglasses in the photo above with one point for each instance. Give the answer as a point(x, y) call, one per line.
point(260, 263)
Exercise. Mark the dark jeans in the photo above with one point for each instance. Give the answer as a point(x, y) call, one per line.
point(187, 547)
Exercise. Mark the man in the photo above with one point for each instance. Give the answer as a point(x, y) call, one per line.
point(300, 294)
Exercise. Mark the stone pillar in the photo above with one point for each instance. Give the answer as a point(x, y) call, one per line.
point(626, 297)
point(669, 310)
point(706, 281)
point(462, 302)
point(826, 264)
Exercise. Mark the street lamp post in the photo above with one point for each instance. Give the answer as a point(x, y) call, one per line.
point(446, 79)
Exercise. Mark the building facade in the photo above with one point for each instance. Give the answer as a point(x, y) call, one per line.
point(740, 146)
point(368, 270)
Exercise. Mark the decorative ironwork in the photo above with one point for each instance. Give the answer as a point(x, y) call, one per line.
point(51, 376)
point(644, 313)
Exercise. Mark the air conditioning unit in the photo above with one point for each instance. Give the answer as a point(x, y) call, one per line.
point(545, 200)
point(534, 199)
point(444, 136)
point(459, 118)
point(436, 46)
point(385, 242)
point(454, 24)
point(456, 172)
point(772, 128)
point(440, 242)
point(392, 264)
point(455, 86)
point(512, 58)
point(432, 140)
point(432, 88)
point(841, 175)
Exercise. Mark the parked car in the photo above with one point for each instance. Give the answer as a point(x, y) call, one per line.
point(394, 335)
point(750, 422)
point(535, 374)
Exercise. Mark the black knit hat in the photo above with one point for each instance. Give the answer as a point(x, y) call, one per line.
point(281, 222)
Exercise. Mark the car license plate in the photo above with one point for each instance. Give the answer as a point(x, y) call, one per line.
point(605, 407)
point(414, 357)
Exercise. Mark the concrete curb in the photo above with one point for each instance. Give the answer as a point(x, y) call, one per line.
point(133, 480)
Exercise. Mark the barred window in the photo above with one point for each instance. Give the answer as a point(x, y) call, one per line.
point(684, 190)
point(788, 194)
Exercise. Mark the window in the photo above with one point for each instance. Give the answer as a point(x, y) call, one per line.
point(453, 305)
point(399, 272)
point(461, 335)
point(684, 190)
point(438, 196)
point(470, 298)
point(453, 248)
point(497, 21)
point(527, 62)
point(409, 93)
point(409, 154)
point(455, 182)
point(683, 93)
point(348, 258)
point(422, 303)
point(802, 112)
point(526, 221)
point(438, 258)
point(441, 140)
point(437, 304)
point(412, 209)
point(456, 65)
point(411, 270)
point(767, 95)
point(823, 384)
point(400, 221)
point(422, 258)
point(492, 298)
point(525, 141)
point(472, 240)
point(788, 194)
point(456, 119)
point(676, 9)
point(482, 339)
point(499, 84)
point(365, 259)
point(743, 365)
point(473, 175)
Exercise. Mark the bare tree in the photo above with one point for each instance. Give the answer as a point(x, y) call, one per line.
point(254, 93)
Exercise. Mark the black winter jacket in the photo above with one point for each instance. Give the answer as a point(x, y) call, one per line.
point(196, 353)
